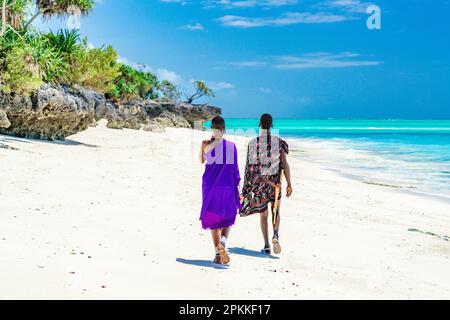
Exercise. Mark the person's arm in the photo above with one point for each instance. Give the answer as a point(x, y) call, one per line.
point(237, 175)
point(246, 187)
point(287, 173)
point(202, 152)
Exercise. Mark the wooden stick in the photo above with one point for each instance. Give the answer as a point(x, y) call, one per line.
point(275, 205)
point(277, 195)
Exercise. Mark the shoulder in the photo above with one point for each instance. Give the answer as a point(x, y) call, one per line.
point(230, 144)
point(253, 142)
point(283, 144)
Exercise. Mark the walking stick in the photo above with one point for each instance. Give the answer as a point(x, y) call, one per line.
point(277, 195)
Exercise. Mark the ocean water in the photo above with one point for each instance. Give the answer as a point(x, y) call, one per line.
point(406, 154)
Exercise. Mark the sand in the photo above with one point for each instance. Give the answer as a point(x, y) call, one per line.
point(114, 215)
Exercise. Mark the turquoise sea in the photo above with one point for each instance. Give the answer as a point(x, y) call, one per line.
point(410, 154)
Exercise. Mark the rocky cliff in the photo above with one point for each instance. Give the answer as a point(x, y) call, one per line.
point(4, 121)
point(55, 113)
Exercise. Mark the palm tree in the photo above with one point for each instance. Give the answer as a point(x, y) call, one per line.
point(201, 90)
point(68, 42)
point(12, 13)
point(61, 8)
point(4, 18)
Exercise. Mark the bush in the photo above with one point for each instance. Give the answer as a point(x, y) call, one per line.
point(67, 42)
point(51, 62)
point(19, 74)
point(95, 69)
point(29, 61)
point(169, 91)
point(134, 83)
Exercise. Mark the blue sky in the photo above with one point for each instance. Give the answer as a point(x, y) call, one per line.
point(306, 59)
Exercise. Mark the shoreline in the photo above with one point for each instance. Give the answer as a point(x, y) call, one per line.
point(393, 180)
point(393, 188)
point(114, 215)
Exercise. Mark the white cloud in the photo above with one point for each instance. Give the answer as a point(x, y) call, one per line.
point(283, 20)
point(323, 60)
point(247, 64)
point(315, 60)
point(326, 11)
point(217, 86)
point(172, 76)
point(233, 4)
point(182, 2)
point(193, 27)
point(350, 6)
point(265, 90)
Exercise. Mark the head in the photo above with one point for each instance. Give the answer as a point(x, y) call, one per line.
point(218, 125)
point(266, 122)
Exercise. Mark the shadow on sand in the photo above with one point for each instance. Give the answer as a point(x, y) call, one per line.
point(67, 142)
point(202, 263)
point(251, 253)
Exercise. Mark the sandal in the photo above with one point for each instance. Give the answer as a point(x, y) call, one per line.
point(266, 251)
point(217, 260)
point(276, 245)
point(224, 257)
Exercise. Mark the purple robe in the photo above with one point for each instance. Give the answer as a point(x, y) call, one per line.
point(220, 187)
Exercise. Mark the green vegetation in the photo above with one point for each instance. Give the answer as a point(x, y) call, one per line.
point(29, 58)
point(95, 69)
point(201, 90)
point(17, 74)
point(133, 83)
point(169, 91)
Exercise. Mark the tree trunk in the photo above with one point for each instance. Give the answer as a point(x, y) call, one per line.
point(2, 32)
point(37, 14)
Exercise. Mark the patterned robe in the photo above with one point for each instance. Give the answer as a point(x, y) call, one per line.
point(262, 171)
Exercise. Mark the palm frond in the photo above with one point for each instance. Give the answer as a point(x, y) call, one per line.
point(62, 8)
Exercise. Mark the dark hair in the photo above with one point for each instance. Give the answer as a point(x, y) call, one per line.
point(266, 121)
point(218, 123)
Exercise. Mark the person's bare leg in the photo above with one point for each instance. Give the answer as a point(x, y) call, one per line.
point(265, 227)
point(216, 237)
point(220, 249)
point(225, 232)
point(224, 236)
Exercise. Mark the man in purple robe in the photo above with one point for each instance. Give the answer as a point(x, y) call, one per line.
point(221, 201)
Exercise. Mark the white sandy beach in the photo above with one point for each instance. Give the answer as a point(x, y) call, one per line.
point(114, 214)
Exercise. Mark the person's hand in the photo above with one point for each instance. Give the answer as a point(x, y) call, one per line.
point(205, 143)
point(289, 191)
